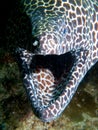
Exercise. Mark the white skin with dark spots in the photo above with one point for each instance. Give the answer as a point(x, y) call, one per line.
point(61, 27)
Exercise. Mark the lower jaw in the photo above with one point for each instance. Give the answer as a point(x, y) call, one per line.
point(57, 68)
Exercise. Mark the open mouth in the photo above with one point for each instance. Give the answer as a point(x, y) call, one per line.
point(49, 72)
point(44, 75)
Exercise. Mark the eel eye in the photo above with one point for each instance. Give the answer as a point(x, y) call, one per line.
point(35, 43)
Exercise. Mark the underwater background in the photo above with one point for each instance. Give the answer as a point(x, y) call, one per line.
point(15, 109)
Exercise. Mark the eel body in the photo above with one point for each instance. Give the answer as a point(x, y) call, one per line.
point(65, 35)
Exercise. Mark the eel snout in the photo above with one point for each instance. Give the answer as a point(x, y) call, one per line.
point(43, 77)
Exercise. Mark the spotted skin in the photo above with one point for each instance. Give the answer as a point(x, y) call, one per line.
point(60, 26)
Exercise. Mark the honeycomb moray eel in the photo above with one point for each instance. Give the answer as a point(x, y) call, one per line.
point(65, 36)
